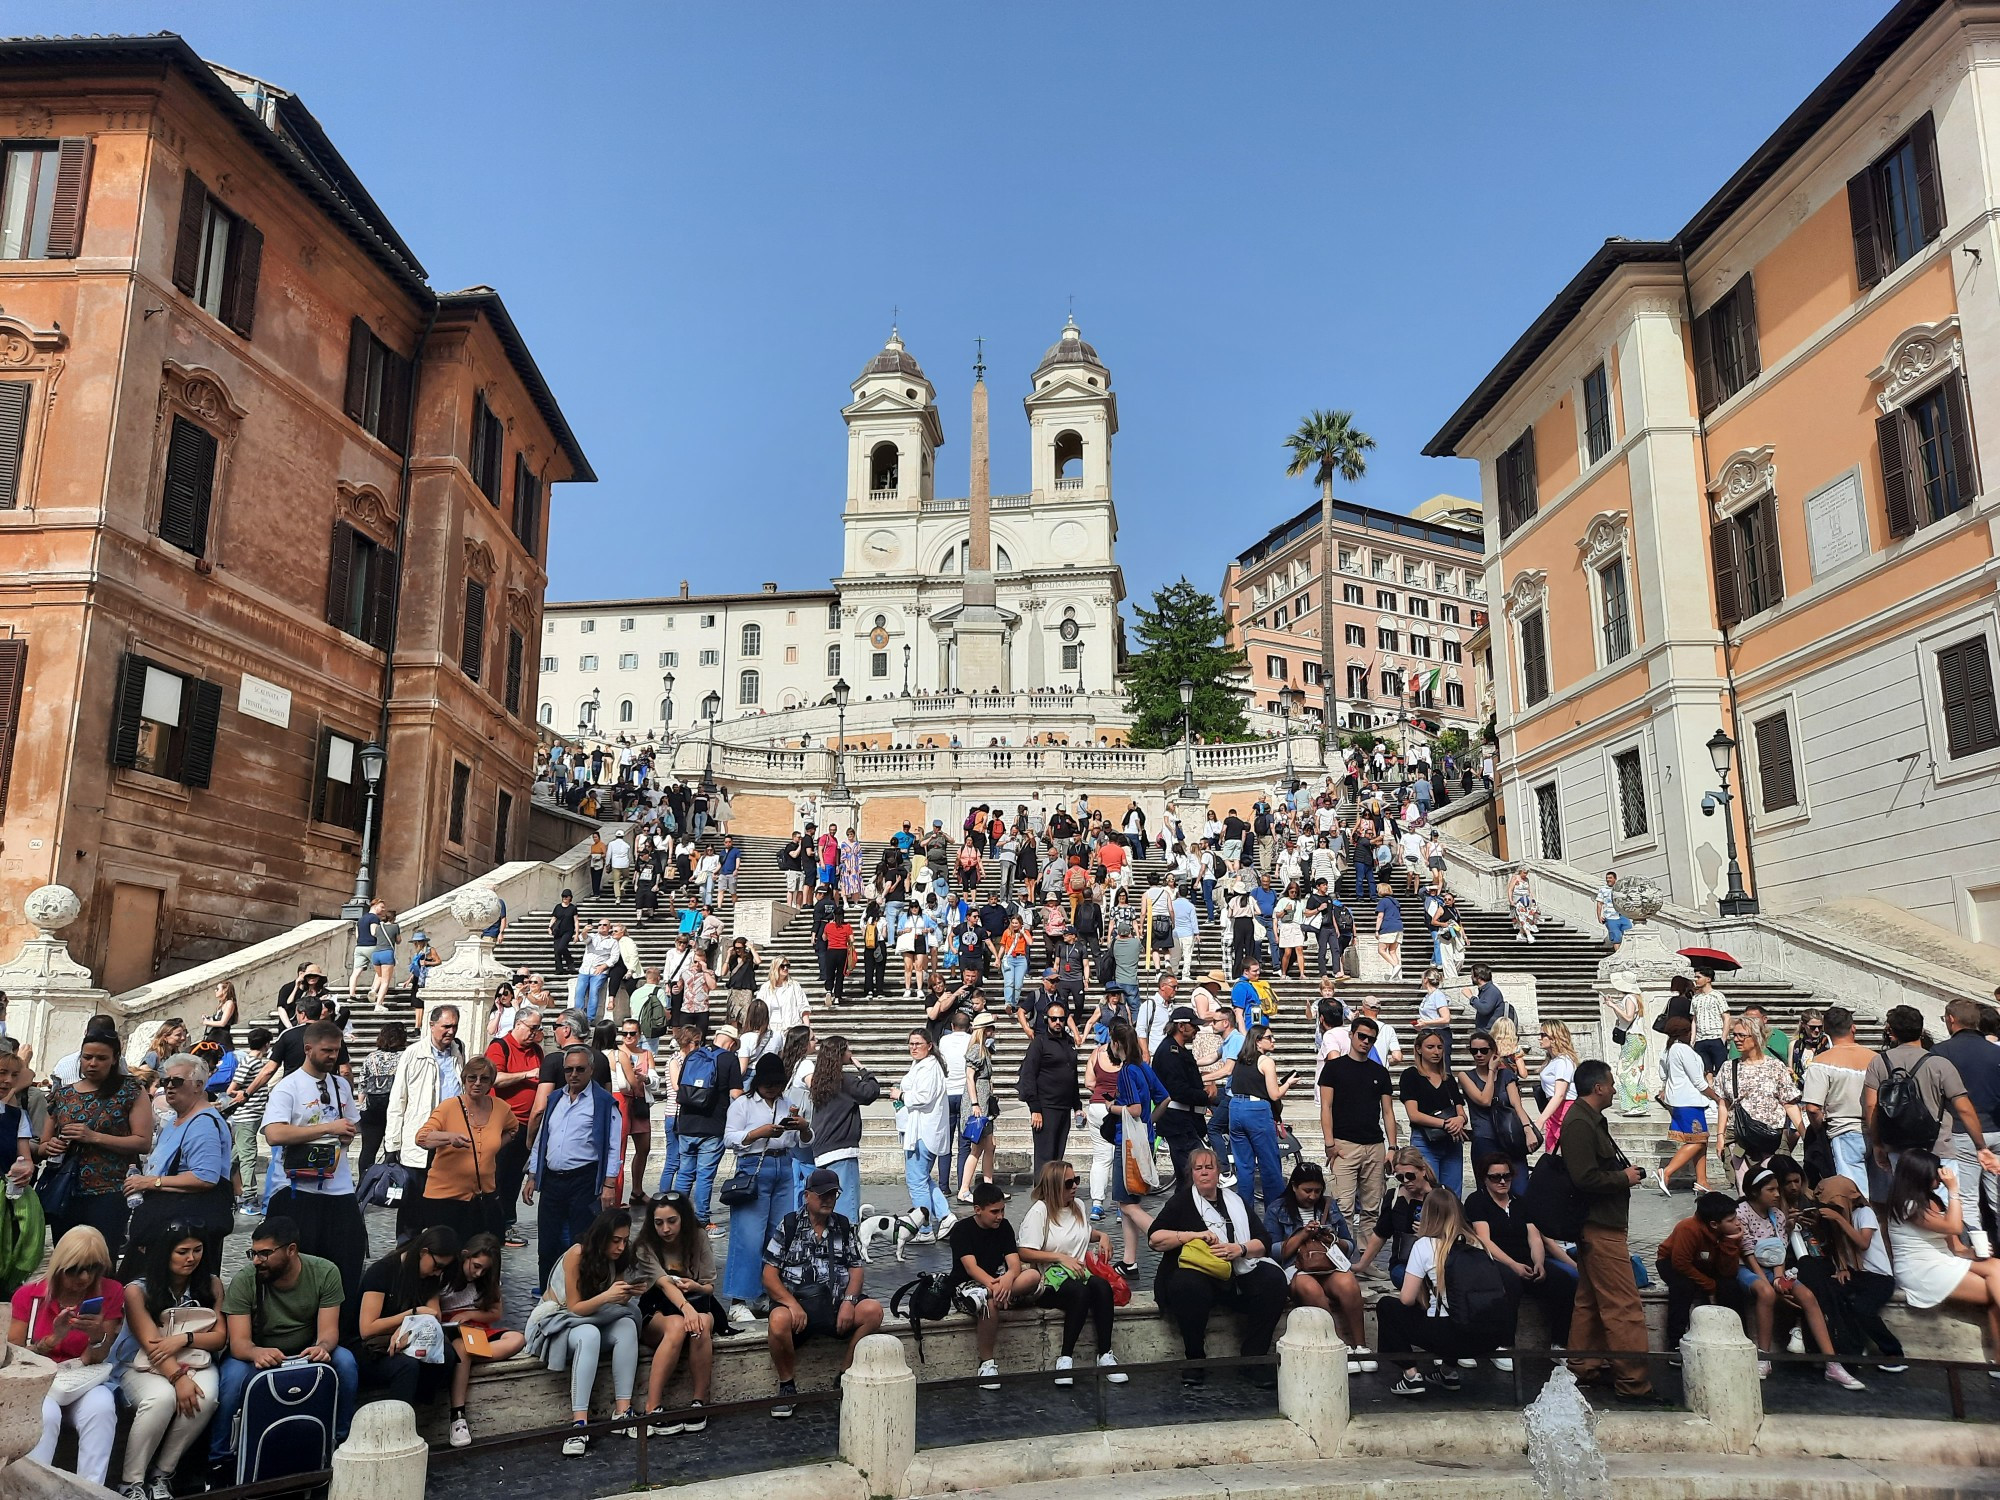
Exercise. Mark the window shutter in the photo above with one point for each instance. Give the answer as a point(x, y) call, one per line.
point(340, 575)
point(319, 776)
point(1777, 778)
point(13, 674)
point(496, 436)
point(515, 647)
point(1965, 691)
point(129, 698)
point(1930, 191)
point(1527, 485)
point(204, 717)
point(1770, 559)
point(1744, 302)
point(72, 183)
point(14, 399)
point(472, 647)
point(246, 260)
point(190, 482)
point(1865, 222)
point(1898, 490)
point(1704, 363)
point(360, 343)
point(187, 247)
point(381, 628)
point(1728, 573)
point(475, 453)
point(1963, 461)
point(397, 379)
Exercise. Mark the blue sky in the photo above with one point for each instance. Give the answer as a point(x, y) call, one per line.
point(701, 217)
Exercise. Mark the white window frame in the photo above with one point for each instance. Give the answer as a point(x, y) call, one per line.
point(1608, 539)
point(1614, 813)
point(1787, 703)
point(1584, 462)
point(1977, 621)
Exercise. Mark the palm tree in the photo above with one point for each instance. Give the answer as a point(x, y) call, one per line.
point(1328, 443)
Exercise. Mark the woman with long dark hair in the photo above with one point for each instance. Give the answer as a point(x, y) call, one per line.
point(472, 1299)
point(401, 1285)
point(1921, 1228)
point(764, 1128)
point(591, 1300)
point(170, 1377)
point(677, 1309)
point(1314, 1247)
point(97, 1127)
point(835, 1095)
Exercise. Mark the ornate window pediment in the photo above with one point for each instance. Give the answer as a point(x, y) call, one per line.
point(1604, 538)
point(1746, 477)
point(1528, 592)
point(22, 344)
point(479, 560)
point(365, 508)
point(1918, 359)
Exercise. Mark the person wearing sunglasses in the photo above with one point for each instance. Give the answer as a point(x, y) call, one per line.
point(1396, 1230)
point(1502, 1123)
point(187, 1179)
point(1534, 1266)
point(1055, 1238)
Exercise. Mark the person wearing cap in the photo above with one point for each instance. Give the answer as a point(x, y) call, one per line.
point(813, 1274)
point(1183, 1120)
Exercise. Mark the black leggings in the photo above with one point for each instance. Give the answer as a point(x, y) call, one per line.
point(874, 969)
point(1401, 1328)
point(1258, 1296)
point(1080, 1299)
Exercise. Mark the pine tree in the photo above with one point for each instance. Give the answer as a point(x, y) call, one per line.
point(1182, 637)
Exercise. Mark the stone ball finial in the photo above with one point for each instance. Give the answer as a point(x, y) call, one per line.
point(477, 908)
point(1639, 898)
point(52, 908)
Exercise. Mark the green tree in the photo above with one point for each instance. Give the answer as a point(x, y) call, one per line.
point(1328, 443)
point(1183, 637)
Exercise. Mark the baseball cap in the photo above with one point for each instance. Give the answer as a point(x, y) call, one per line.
point(729, 1032)
point(822, 1180)
point(1183, 1015)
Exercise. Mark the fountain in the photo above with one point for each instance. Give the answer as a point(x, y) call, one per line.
point(1562, 1442)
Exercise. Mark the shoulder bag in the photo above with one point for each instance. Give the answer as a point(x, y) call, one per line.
point(1756, 1139)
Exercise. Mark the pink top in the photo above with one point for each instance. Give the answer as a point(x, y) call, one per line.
point(75, 1341)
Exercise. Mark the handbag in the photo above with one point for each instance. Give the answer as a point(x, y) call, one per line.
point(1142, 1174)
point(56, 1187)
point(1756, 1139)
point(173, 1322)
point(211, 1212)
point(1200, 1256)
point(976, 1129)
point(1098, 1266)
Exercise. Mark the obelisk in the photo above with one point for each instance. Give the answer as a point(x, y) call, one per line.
point(980, 633)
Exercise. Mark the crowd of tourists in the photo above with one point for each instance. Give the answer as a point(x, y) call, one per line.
point(688, 1136)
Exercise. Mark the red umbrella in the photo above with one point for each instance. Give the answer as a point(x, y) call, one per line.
point(1710, 958)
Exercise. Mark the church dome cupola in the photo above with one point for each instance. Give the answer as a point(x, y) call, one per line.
point(894, 359)
point(1070, 349)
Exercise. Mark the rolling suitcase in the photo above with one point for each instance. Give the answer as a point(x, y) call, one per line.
point(287, 1422)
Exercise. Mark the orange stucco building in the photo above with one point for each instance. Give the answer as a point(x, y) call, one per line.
point(246, 454)
point(1743, 480)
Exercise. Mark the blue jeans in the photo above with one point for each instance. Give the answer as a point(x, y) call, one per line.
point(1208, 897)
point(1269, 925)
point(1218, 1131)
point(694, 1172)
point(1615, 928)
point(590, 992)
point(1364, 875)
point(750, 1226)
point(669, 1145)
point(919, 1166)
point(232, 1377)
point(566, 1203)
point(1013, 974)
point(1850, 1158)
point(1448, 1167)
point(849, 1173)
point(1253, 1138)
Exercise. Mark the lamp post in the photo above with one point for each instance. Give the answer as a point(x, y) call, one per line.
point(1287, 700)
point(1736, 902)
point(1189, 792)
point(667, 711)
point(840, 692)
point(373, 760)
point(906, 669)
point(586, 722)
point(1079, 666)
point(708, 759)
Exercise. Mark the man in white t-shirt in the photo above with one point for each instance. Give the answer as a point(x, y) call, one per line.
point(309, 1119)
point(1150, 1020)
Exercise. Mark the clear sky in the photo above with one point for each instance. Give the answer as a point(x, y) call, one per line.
point(702, 215)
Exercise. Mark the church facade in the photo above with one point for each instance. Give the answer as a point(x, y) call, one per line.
point(896, 617)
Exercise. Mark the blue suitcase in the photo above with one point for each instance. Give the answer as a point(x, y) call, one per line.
point(287, 1422)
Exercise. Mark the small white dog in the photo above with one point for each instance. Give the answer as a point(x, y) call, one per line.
point(898, 1229)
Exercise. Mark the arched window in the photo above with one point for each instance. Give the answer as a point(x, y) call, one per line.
point(1069, 460)
point(711, 706)
point(753, 640)
point(666, 710)
point(960, 558)
point(833, 660)
point(881, 622)
point(884, 465)
point(747, 688)
point(626, 711)
point(548, 713)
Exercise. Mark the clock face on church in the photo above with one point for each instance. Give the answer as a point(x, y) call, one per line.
point(881, 547)
point(878, 638)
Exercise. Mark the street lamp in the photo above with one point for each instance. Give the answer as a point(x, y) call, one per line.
point(666, 710)
point(1079, 666)
point(840, 692)
point(711, 709)
point(906, 669)
point(1287, 701)
point(1736, 902)
point(1189, 793)
point(373, 761)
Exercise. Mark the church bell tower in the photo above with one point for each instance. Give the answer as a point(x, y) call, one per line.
point(893, 434)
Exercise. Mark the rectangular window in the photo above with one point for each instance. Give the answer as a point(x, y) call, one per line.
point(378, 386)
point(489, 435)
point(1357, 682)
point(1072, 657)
point(627, 622)
point(16, 396)
point(1725, 346)
point(13, 674)
point(1353, 593)
point(1514, 479)
point(515, 652)
point(1965, 691)
point(1534, 660)
point(586, 627)
point(1777, 774)
point(361, 586)
point(1388, 640)
point(42, 193)
point(586, 664)
point(628, 661)
point(833, 615)
point(878, 664)
point(551, 664)
point(1448, 614)
point(188, 492)
point(833, 660)
point(1548, 820)
point(1420, 645)
point(503, 821)
point(1454, 695)
point(527, 504)
point(472, 642)
point(1357, 635)
point(1596, 414)
point(1280, 618)
point(1896, 206)
point(670, 658)
point(165, 723)
point(1418, 608)
point(1451, 651)
point(461, 792)
point(1385, 599)
point(1392, 685)
point(1617, 610)
point(1310, 674)
point(1631, 778)
point(708, 622)
point(711, 658)
point(218, 257)
point(1413, 576)
point(338, 794)
point(1749, 573)
point(1347, 559)
point(1928, 470)
point(1274, 667)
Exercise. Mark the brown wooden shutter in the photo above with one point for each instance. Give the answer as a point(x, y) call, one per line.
point(189, 489)
point(246, 263)
point(187, 247)
point(14, 401)
point(472, 647)
point(475, 453)
point(1898, 484)
point(1704, 362)
point(204, 718)
point(340, 575)
point(1963, 455)
point(1930, 191)
point(1744, 299)
point(493, 471)
point(1770, 559)
point(1865, 222)
point(1722, 540)
point(381, 629)
point(126, 702)
point(72, 189)
point(1965, 691)
point(398, 376)
point(515, 650)
point(360, 342)
point(319, 775)
point(13, 674)
point(1777, 777)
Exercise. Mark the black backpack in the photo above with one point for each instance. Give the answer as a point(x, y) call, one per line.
point(1475, 1295)
point(1554, 1205)
point(1901, 1118)
point(928, 1299)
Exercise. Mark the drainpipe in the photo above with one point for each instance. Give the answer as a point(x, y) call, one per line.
point(1742, 795)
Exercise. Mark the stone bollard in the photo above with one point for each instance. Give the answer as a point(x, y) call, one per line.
point(383, 1458)
point(1312, 1378)
point(1719, 1373)
point(878, 1414)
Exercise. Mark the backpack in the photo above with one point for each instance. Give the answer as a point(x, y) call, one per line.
point(1267, 1003)
point(1475, 1296)
point(1554, 1205)
point(1901, 1118)
point(697, 1089)
point(928, 1299)
point(1107, 967)
point(1343, 921)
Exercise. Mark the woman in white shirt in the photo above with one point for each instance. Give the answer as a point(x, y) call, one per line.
point(923, 1122)
point(1687, 1091)
point(764, 1127)
point(1417, 1317)
point(1054, 1239)
point(785, 998)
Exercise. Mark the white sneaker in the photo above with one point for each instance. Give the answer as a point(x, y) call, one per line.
point(1063, 1362)
point(461, 1433)
point(1110, 1361)
point(575, 1447)
point(990, 1367)
point(1368, 1366)
point(740, 1315)
point(1468, 1364)
point(1763, 1369)
point(1796, 1344)
point(1504, 1366)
